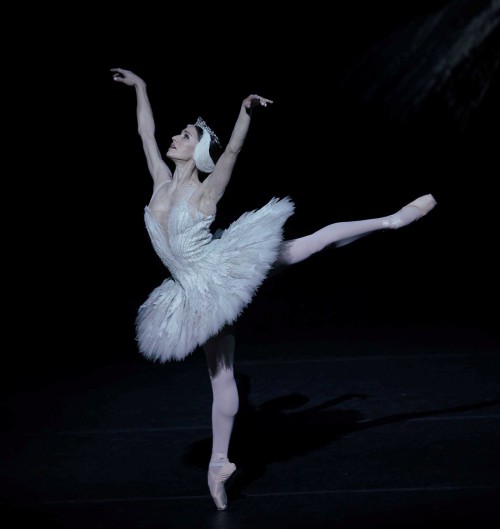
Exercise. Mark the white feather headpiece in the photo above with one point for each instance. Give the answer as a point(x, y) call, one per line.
point(201, 155)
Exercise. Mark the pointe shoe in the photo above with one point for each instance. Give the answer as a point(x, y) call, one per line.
point(218, 473)
point(422, 204)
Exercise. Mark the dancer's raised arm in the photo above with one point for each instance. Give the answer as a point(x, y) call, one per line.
point(217, 181)
point(158, 169)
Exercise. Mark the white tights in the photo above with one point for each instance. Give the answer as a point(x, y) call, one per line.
point(219, 349)
point(342, 233)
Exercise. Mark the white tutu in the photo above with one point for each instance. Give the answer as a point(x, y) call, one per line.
point(212, 280)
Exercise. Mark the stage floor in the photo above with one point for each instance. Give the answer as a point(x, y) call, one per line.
point(352, 429)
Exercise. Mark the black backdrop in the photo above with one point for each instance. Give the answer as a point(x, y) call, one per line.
point(373, 106)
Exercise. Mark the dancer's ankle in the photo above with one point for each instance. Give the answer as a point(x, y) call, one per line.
point(218, 457)
point(403, 217)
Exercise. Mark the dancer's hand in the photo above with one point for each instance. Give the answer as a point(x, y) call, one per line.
point(126, 77)
point(253, 100)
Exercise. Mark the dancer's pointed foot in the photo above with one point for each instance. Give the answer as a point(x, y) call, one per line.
point(411, 212)
point(219, 471)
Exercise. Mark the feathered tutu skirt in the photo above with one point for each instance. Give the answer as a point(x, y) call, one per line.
point(213, 287)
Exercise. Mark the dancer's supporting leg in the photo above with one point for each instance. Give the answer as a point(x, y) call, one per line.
point(219, 351)
point(342, 233)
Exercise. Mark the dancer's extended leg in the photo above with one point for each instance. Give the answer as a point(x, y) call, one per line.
point(219, 352)
point(342, 233)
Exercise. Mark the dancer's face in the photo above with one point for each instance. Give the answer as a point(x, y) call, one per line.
point(182, 146)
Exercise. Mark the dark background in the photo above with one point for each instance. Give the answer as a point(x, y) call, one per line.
point(374, 105)
point(367, 375)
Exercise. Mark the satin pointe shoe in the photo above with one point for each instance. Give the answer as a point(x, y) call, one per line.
point(411, 212)
point(218, 473)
